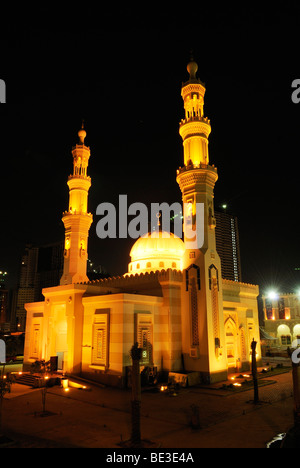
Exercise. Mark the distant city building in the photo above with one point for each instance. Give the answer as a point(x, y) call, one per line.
point(4, 301)
point(25, 289)
point(42, 267)
point(49, 267)
point(228, 245)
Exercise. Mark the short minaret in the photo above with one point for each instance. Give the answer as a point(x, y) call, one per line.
point(202, 295)
point(77, 220)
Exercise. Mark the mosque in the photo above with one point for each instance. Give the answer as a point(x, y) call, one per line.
point(173, 300)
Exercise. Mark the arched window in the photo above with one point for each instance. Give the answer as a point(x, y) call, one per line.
point(286, 340)
point(161, 264)
point(137, 266)
point(284, 334)
point(174, 265)
point(148, 265)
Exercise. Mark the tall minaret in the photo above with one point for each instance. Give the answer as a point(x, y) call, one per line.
point(204, 340)
point(77, 220)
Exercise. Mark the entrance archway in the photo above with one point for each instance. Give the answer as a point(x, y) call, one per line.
point(60, 330)
point(231, 344)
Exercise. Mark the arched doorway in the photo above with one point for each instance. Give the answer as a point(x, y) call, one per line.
point(60, 331)
point(231, 344)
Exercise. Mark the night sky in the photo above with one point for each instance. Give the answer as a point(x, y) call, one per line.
point(121, 71)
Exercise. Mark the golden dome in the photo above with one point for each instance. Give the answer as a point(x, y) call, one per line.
point(158, 250)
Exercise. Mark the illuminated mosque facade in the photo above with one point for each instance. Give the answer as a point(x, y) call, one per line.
point(172, 301)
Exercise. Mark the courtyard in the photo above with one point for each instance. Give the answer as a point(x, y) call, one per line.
point(100, 417)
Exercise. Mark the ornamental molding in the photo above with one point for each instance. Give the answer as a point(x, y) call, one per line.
point(192, 88)
point(197, 177)
point(190, 127)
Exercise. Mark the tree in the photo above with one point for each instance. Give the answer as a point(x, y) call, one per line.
point(42, 367)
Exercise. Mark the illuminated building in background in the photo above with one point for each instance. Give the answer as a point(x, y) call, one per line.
point(173, 301)
point(281, 319)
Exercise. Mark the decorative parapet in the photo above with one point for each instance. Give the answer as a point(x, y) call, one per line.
point(195, 118)
point(193, 86)
point(231, 282)
point(75, 212)
point(296, 295)
point(137, 280)
point(235, 288)
point(79, 176)
point(192, 166)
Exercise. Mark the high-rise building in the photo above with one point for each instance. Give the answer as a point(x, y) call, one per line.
point(40, 267)
point(25, 291)
point(228, 245)
point(4, 300)
point(49, 267)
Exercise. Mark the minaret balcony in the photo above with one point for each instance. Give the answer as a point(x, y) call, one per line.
point(194, 126)
point(200, 174)
point(77, 213)
point(81, 176)
point(193, 118)
point(79, 182)
point(192, 166)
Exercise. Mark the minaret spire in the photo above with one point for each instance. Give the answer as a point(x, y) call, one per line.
point(202, 297)
point(77, 220)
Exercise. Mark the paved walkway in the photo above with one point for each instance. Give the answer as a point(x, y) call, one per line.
point(100, 417)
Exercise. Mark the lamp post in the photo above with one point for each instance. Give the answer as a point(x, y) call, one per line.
point(254, 371)
point(136, 354)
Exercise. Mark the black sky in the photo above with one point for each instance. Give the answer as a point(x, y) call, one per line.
point(121, 71)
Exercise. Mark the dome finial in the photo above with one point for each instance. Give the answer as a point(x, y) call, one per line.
point(192, 68)
point(82, 133)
